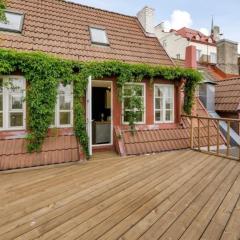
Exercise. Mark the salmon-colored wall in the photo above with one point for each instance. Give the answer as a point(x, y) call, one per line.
point(149, 98)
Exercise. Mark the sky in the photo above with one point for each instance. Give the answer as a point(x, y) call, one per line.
point(178, 13)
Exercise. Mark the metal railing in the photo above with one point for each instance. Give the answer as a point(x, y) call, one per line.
point(206, 135)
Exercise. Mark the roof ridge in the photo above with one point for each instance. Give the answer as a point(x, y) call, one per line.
point(70, 2)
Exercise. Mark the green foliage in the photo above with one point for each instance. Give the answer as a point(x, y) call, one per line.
point(44, 73)
point(2, 11)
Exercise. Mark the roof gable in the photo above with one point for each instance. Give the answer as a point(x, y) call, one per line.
point(62, 28)
point(194, 35)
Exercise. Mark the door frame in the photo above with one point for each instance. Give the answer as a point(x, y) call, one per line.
point(111, 143)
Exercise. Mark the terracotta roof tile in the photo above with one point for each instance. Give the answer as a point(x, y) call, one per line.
point(195, 36)
point(62, 28)
point(228, 95)
point(55, 150)
point(148, 140)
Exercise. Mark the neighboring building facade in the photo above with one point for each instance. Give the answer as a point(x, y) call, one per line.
point(176, 41)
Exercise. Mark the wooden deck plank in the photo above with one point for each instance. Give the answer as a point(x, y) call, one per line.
point(77, 184)
point(118, 216)
point(221, 183)
point(125, 171)
point(78, 216)
point(232, 230)
point(92, 193)
point(178, 200)
point(200, 223)
point(180, 194)
point(218, 224)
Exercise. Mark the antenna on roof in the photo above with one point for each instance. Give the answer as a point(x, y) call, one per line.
point(212, 26)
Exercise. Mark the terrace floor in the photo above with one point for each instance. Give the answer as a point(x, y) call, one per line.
point(172, 195)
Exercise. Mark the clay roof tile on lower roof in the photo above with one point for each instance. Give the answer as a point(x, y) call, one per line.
point(228, 95)
point(62, 28)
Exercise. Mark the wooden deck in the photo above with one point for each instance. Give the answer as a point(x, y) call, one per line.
point(174, 195)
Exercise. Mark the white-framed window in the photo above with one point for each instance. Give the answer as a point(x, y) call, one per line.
point(12, 103)
point(130, 90)
point(178, 56)
point(13, 23)
point(213, 57)
point(64, 107)
point(199, 54)
point(164, 103)
point(98, 36)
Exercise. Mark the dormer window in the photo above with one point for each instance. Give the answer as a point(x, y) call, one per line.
point(14, 22)
point(99, 36)
point(197, 38)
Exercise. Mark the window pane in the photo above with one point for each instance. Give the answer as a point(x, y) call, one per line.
point(158, 92)
point(158, 103)
point(16, 102)
point(1, 102)
point(14, 22)
point(16, 119)
point(139, 90)
point(139, 117)
point(126, 116)
point(65, 102)
point(127, 91)
point(169, 104)
point(159, 116)
point(169, 116)
point(65, 118)
point(1, 120)
point(15, 85)
point(65, 89)
point(98, 36)
point(1, 85)
point(126, 103)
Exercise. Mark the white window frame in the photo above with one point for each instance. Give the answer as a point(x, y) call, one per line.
point(164, 105)
point(144, 103)
point(5, 27)
point(6, 108)
point(91, 28)
point(198, 54)
point(57, 112)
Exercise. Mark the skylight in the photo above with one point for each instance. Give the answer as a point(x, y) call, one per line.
point(99, 36)
point(14, 22)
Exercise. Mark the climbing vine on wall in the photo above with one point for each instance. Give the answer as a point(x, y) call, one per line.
point(44, 73)
point(2, 11)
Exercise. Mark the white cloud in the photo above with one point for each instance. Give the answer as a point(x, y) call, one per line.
point(204, 31)
point(179, 19)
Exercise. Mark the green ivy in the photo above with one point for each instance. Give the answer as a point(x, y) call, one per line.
point(44, 73)
point(2, 11)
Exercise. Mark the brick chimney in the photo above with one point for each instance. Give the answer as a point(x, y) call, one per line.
point(191, 62)
point(146, 17)
point(191, 57)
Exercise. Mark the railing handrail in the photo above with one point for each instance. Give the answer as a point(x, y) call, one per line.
point(212, 118)
point(216, 123)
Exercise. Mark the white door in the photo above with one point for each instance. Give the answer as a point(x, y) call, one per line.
point(89, 113)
